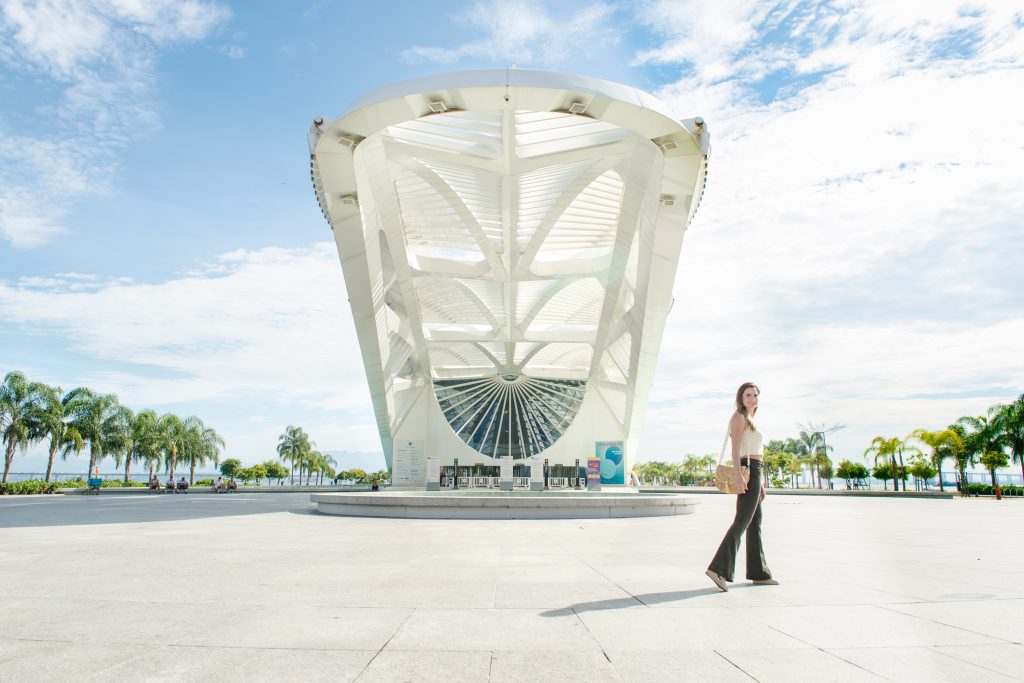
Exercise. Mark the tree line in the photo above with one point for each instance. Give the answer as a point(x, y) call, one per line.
point(992, 440)
point(73, 421)
point(296, 448)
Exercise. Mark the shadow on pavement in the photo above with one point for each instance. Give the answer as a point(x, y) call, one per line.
point(41, 511)
point(634, 601)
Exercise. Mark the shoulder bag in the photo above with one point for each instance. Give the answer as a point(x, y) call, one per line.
point(723, 473)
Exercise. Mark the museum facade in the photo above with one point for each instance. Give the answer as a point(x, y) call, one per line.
point(509, 241)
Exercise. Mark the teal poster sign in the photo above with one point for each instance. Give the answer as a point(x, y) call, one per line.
point(613, 464)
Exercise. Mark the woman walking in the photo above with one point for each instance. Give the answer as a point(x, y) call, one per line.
point(747, 450)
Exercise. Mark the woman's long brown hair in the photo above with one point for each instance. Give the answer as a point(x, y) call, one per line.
point(740, 408)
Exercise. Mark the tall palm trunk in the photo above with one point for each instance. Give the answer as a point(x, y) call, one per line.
point(192, 473)
point(9, 456)
point(92, 460)
point(127, 468)
point(49, 465)
point(292, 480)
point(903, 473)
point(938, 466)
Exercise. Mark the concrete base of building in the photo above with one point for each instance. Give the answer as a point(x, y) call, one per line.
point(501, 505)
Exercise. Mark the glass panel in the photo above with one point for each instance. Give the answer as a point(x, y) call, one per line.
point(511, 415)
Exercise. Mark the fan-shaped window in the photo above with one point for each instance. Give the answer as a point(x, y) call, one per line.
point(517, 415)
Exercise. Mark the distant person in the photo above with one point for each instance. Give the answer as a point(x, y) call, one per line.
point(747, 450)
point(182, 484)
point(218, 485)
point(374, 485)
point(170, 485)
point(154, 483)
point(232, 484)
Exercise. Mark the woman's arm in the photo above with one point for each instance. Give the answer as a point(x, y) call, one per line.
point(737, 425)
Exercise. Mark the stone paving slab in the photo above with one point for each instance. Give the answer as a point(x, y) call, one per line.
point(258, 587)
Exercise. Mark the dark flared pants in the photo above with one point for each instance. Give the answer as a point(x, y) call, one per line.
point(748, 520)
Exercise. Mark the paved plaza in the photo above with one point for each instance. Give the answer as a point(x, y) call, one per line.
point(260, 587)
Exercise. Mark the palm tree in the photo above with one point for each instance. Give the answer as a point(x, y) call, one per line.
point(884, 448)
point(963, 450)
point(292, 446)
point(938, 442)
point(692, 465)
point(327, 463)
point(992, 461)
point(983, 435)
point(101, 421)
point(172, 433)
point(146, 440)
point(1009, 421)
point(123, 444)
point(199, 444)
point(49, 417)
point(794, 468)
point(18, 397)
point(211, 444)
point(809, 445)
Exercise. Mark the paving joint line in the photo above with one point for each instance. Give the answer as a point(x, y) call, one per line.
point(390, 638)
point(823, 650)
point(738, 667)
point(597, 642)
point(942, 623)
point(934, 648)
point(609, 580)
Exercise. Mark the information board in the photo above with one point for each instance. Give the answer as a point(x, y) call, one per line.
point(594, 474)
point(408, 466)
point(537, 471)
point(505, 471)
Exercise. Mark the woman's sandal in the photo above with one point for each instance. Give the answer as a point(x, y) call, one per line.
point(718, 579)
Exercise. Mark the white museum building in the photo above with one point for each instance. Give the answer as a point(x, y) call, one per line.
point(509, 241)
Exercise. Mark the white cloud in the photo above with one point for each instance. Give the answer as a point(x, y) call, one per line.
point(523, 32)
point(233, 51)
point(99, 55)
point(857, 247)
point(272, 324)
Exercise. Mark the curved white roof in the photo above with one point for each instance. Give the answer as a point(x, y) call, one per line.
point(507, 224)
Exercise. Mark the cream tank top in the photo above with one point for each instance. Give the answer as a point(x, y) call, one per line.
point(752, 443)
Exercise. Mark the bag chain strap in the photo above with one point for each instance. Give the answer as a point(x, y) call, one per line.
point(724, 441)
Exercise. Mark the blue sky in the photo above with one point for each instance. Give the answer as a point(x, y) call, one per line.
point(857, 251)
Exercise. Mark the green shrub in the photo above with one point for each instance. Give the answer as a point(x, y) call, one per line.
point(979, 489)
point(29, 487)
point(72, 484)
point(119, 484)
point(204, 482)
